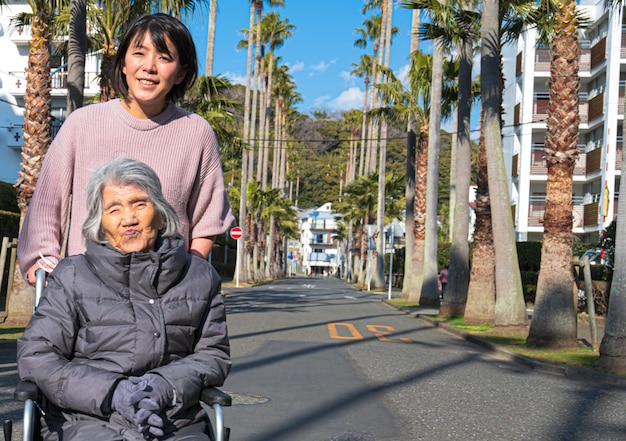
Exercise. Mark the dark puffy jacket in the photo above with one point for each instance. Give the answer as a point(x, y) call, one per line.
point(106, 315)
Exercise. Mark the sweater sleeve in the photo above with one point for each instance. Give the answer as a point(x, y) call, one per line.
point(209, 209)
point(44, 352)
point(43, 227)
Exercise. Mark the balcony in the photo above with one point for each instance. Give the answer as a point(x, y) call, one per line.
point(17, 86)
point(20, 35)
point(598, 53)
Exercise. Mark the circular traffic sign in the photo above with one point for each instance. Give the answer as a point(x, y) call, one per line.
point(236, 233)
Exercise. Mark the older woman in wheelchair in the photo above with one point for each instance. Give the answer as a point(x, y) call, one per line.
point(127, 335)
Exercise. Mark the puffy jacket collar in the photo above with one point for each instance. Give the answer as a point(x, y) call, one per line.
point(147, 273)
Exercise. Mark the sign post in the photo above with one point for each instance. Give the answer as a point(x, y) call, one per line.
point(236, 233)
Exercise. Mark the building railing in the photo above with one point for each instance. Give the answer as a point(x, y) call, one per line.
point(59, 81)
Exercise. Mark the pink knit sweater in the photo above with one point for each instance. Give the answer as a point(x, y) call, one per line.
point(180, 146)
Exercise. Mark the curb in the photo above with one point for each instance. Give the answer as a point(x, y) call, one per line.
point(578, 373)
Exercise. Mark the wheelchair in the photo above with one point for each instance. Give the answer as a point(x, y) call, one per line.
point(28, 393)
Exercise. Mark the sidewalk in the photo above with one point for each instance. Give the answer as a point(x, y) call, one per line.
point(583, 373)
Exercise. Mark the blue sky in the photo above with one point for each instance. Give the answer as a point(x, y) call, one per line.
point(320, 52)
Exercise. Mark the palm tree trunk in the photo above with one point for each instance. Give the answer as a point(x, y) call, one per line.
point(210, 49)
point(429, 295)
point(409, 280)
point(77, 46)
point(413, 292)
point(510, 309)
point(37, 106)
point(458, 281)
point(379, 280)
point(481, 295)
point(241, 266)
point(554, 321)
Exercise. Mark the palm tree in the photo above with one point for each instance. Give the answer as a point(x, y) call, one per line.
point(209, 99)
point(379, 273)
point(256, 7)
point(554, 319)
point(481, 298)
point(210, 49)
point(275, 32)
point(363, 70)
point(458, 281)
point(429, 293)
point(372, 31)
point(411, 138)
point(481, 293)
point(510, 309)
point(37, 106)
point(77, 46)
point(361, 193)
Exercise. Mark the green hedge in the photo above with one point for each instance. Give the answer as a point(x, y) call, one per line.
point(8, 198)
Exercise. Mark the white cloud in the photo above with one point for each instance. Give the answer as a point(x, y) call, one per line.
point(235, 78)
point(320, 101)
point(351, 98)
point(346, 76)
point(402, 74)
point(296, 67)
point(323, 65)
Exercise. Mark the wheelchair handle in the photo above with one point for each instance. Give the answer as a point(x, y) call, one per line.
point(40, 281)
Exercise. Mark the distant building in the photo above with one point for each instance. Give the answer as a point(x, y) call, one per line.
point(14, 47)
point(602, 72)
point(318, 248)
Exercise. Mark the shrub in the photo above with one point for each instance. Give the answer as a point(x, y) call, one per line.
point(8, 198)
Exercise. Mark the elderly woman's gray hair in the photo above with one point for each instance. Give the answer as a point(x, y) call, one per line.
point(124, 171)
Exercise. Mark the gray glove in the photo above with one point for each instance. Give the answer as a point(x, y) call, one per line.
point(126, 397)
point(159, 392)
point(153, 425)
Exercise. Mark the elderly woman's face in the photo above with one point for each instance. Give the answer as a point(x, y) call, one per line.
point(129, 219)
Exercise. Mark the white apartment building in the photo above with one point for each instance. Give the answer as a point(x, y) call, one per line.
point(318, 248)
point(14, 48)
point(526, 94)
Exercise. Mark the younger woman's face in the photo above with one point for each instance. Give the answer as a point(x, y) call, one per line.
point(150, 75)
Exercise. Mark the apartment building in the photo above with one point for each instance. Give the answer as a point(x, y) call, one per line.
point(14, 48)
point(601, 104)
point(318, 248)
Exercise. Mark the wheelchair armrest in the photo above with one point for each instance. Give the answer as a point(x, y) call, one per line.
point(25, 390)
point(213, 395)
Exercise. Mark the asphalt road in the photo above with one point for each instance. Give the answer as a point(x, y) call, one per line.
point(308, 366)
point(316, 360)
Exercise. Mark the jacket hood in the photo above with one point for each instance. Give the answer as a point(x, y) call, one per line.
point(151, 273)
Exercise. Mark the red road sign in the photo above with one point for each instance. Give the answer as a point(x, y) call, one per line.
point(236, 233)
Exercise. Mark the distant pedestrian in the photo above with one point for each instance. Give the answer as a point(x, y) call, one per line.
point(443, 279)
